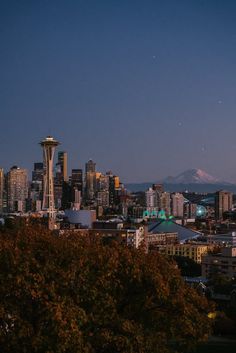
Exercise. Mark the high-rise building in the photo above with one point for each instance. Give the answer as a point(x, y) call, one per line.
point(77, 199)
point(177, 204)
point(36, 187)
point(17, 189)
point(90, 180)
point(102, 190)
point(76, 182)
point(37, 174)
point(67, 195)
point(58, 191)
point(103, 183)
point(190, 210)
point(223, 203)
point(151, 198)
point(61, 167)
point(60, 177)
point(116, 182)
point(49, 145)
point(1, 189)
point(77, 179)
point(103, 198)
point(90, 167)
point(165, 202)
point(114, 189)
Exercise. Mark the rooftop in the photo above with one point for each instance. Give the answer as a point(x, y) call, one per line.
point(169, 226)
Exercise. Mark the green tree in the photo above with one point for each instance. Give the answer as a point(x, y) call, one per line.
point(76, 295)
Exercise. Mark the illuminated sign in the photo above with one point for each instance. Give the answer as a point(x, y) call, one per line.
point(156, 214)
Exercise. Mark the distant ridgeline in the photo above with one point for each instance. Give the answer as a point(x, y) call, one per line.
point(209, 188)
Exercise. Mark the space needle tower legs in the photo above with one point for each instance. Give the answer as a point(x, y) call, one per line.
point(48, 145)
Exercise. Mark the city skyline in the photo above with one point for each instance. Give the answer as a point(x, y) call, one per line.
point(194, 175)
point(146, 90)
point(190, 173)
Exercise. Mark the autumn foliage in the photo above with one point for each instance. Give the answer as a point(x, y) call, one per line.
point(77, 295)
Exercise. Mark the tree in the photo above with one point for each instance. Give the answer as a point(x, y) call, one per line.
point(77, 295)
point(187, 266)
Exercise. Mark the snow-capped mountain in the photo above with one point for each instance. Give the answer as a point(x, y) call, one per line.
point(193, 176)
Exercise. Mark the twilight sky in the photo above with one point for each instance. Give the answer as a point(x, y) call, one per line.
point(144, 88)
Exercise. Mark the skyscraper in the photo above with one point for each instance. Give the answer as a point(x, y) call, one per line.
point(36, 192)
point(1, 189)
point(76, 187)
point(90, 167)
point(103, 190)
point(17, 189)
point(114, 183)
point(60, 178)
point(223, 203)
point(90, 180)
point(165, 202)
point(48, 145)
point(62, 166)
point(103, 182)
point(37, 174)
point(151, 199)
point(103, 198)
point(77, 179)
point(177, 204)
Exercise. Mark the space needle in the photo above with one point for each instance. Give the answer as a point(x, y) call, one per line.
point(48, 144)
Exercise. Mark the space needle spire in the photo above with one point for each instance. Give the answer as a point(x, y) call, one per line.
point(48, 144)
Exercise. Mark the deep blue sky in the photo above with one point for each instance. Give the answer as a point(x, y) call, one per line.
point(145, 88)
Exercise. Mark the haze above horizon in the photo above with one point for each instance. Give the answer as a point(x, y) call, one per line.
point(146, 89)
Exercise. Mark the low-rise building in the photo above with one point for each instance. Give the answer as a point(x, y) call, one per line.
point(171, 226)
point(156, 240)
point(223, 263)
point(228, 239)
point(133, 237)
point(192, 251)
